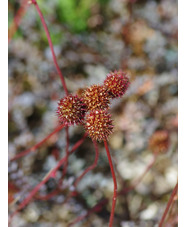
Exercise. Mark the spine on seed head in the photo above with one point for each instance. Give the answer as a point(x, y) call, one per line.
point(98, 124)
point(71, 110)
point(96, 97)
point(117, 83)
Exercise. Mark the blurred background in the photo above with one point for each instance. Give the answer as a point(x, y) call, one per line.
point(92, 38)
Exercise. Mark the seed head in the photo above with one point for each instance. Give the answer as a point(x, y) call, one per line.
point(98, 124)
point(71, 110)
point(117, 83)
point(159, 141)
point(96, 97)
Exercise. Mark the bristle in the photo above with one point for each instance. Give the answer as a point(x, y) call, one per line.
point(117, 83)
point(71, 110)
point(98, 124)
point(96, 97)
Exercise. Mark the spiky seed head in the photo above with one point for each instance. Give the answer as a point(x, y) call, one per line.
point(71, 110)
point(159, 141)
point(96, 97)
point(117, 83)
point(98, 124)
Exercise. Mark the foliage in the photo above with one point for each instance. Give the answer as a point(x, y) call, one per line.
point(74, 13)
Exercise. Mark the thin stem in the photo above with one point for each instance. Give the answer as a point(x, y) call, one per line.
point(50, 44)
point(168, 205)
point(21, 154)
point(17, 20)
point(90, 167)
point(115, 184)
point(50, 174)
point(48, 196)
point(67, 155)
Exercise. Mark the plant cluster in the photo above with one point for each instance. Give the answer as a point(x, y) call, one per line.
point(91, 108)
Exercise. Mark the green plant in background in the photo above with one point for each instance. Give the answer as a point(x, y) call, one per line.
point(75, 13)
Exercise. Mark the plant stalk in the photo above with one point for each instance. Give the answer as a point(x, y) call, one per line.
point(51, 45)
point(168, 205)
point(115, 184)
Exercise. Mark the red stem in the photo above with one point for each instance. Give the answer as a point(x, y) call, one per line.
point(90, 167)
point(115, 184)
point(51, 45)
point(48, 196)
point(21, 154)
point(67, 155)
point(50, 174)
point(17, 19)
point(168, 205)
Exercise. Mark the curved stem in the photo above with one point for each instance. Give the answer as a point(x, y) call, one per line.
point(50, 44)
point(115, 184)
point(168, 205)
point(23, 153)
